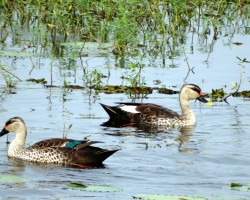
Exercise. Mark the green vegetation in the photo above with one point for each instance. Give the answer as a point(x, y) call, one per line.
point(131, 31)
point(157, 28)
point(11, 179)
point(93, 188)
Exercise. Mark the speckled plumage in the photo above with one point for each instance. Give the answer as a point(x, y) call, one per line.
point(56, 150)
point(155, 115)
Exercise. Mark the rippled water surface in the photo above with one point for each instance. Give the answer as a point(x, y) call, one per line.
point(199, 162)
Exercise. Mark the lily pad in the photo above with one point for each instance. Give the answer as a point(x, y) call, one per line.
point(16, 54)
point(239, 186)
point(236, 185)
point(166, 197)
point(242, 188)
point(223, 197)
point(93, 188)
point(11, 179)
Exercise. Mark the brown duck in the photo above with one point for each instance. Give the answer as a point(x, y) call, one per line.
point(133, 114)
point(77, 153)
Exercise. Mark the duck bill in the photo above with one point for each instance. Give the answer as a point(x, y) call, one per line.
point(3, 132)
point(203, 100)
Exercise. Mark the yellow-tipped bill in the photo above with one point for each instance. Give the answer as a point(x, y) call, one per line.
point(209, 103)
point(203, 100)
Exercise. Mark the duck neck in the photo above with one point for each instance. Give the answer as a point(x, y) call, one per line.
point(20, 138)
point(187, 112)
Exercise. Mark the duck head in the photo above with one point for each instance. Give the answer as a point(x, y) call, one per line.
point(15, 124)
point(192, 92)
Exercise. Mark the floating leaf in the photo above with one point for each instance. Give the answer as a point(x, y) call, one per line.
point(223, 197)
point(245, 93)
point(11, 179)
point(41, 80)
point(157, 82)
point(166, 197)
point(242, 188)
point(237, 43)
point(239, 186)
point(166, 91)
point(73, 86)
point(76, 185)
point(236, 185)
point(112, 89)
point(93, 188)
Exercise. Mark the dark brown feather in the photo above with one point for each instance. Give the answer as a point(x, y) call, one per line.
point(119, 117)
point(58, 142)
point(83, 154)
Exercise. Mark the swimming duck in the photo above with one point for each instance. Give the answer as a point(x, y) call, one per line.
point(77, 153)
point(133, 114)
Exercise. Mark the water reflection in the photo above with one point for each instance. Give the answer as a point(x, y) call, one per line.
point(184, 137)
point(20, 164)
point(150, 128)
point(181, 135)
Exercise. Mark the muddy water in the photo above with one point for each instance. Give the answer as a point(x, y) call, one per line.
point(202, 162)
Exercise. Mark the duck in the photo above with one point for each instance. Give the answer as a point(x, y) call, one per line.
point(149, 114)
point(76, 153)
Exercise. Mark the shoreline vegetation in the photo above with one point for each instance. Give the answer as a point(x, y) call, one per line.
point(129, 30)
point(157, 27)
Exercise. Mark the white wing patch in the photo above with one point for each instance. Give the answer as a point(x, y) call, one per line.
point(129, 108)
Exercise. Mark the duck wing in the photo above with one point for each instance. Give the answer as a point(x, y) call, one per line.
point(91, 156)
point(154, 110)
point(129, 114)
point(84, 157)
point(62, 142)
point(70, 152)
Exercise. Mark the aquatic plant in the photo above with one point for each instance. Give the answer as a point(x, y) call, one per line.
point(156, 28)
point(131, 31)
point(93, 188)
point(133, 74)
point(235, 86)
point(8, 78)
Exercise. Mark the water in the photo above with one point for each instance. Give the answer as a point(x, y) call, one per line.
point(203, 162)
point(210, 158)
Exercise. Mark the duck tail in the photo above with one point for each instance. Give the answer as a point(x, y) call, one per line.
point(110, 110)
point(114, 118)
point(93, 160)
point(104, 154)
point(118, 117)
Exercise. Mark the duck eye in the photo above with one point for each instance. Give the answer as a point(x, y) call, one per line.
point(196, 90)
